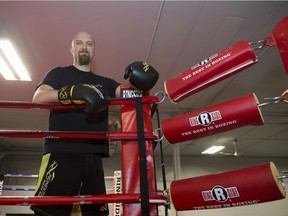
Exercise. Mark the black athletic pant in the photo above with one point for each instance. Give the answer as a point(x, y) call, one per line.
point(69, 174)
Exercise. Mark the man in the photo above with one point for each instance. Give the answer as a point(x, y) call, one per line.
point(70, 166)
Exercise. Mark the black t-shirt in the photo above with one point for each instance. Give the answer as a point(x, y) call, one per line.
point(77, 119)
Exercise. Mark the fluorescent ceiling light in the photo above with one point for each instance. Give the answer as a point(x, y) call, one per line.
point(5, 70)
point(213, 149)
point(10, 63)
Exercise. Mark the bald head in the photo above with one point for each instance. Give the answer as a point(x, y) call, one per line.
point(82, 49)
point(81, 35)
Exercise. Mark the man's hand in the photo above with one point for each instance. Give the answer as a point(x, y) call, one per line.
point(141, 75)
point(95, 98)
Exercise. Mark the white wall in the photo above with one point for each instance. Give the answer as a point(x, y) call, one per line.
point(190, 167)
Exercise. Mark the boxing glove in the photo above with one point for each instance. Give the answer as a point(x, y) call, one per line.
point(141, 75)
point(95, 98)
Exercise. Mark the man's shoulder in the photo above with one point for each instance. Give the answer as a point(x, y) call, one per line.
point(103, 78)
point(62, 68)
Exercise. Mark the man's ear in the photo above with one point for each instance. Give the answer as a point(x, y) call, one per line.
point(71, 50)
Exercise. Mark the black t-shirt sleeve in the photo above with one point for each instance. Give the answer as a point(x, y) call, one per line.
point(112, 86)
point(52, 78)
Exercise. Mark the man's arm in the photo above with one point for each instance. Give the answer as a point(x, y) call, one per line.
point(117, 92)
point(45, 93)
point(95, 99)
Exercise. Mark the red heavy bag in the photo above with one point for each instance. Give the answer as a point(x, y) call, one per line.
point(241, 187)
point(279, 37)
point(130, 158)
point(210, 71)
point(212, 120)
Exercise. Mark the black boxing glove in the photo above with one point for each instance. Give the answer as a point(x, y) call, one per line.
point(95, 98)
point(141, 75)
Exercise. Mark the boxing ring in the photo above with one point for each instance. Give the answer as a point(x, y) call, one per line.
point(130, 139)
point(139, 191)
point(146, 199)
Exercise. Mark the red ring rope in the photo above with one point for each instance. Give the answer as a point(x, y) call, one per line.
point(56, 106)
point(71, 200)
point(75, 134)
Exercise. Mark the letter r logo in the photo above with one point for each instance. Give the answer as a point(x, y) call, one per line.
point(219, 193)
point(205, 118)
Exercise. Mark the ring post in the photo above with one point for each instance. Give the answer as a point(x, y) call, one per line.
point(131, 171)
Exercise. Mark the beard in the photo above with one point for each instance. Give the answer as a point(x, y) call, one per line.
point(84, 59)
